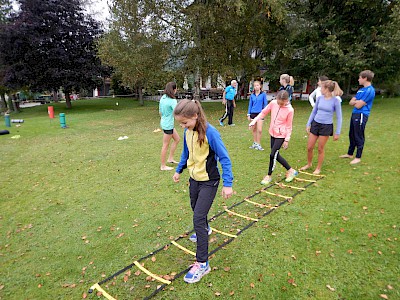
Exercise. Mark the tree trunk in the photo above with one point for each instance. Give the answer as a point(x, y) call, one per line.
point(55, 96)
point(10, 104)
point(15, 103)
point(3, 103)
point(68, 100)
point(140, 93)
point(196, 95)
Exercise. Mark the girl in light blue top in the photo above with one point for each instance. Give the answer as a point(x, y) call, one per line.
point(320, 122)
point(166, 109)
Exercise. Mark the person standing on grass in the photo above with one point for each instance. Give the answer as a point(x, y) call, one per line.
point(228, 99)
point(287, 83)
point(166, 109)
point(280, 130)
point(258, 101)
point(362, 103)
point(202, 149)
point(317, 92)
point(320, 123)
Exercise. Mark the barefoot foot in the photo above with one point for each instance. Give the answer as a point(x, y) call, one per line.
point(166, 168)
point(306, 167)
point(346, 156)
point(355, 161)
point(316, 172)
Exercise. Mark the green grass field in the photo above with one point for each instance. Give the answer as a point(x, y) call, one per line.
point(77, 205)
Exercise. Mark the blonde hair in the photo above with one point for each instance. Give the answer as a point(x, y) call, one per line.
point(288, 79)
point(188, 109)
point(333, 87)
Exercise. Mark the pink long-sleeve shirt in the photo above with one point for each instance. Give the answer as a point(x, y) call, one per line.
point(281, 119)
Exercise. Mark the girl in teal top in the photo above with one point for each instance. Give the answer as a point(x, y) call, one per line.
point(166, 109)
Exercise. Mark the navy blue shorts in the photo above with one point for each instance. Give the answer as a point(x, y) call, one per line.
point(321, 129)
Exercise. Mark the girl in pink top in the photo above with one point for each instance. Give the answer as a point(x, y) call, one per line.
point(280, 130)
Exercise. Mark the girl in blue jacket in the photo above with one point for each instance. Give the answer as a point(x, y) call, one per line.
point(202, 149)
point(258, 100)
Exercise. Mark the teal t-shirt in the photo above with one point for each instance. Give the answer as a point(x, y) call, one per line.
point(166, 109)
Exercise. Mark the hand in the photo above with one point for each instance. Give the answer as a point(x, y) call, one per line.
point(252, 123)
point(227, 192)
point(352, 101)
point(234, 104)
point(308, 129)
point(248, 118)
point(335, 137)
point(223, 101)
point(285, 145)
point(176, 177)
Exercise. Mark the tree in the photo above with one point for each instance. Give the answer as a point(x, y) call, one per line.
point(51, 45)
point(134, 45)
point(5, 11)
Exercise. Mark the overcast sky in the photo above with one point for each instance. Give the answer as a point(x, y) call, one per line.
point(99, 10)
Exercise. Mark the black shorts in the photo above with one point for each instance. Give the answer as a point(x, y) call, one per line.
point(253, 116)
point(321, 129)
point(168, 131)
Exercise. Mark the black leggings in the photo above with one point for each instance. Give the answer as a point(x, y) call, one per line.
point(202, 194)
point(276, 144)
point(228, 112)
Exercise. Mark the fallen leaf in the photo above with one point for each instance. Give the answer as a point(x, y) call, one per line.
point(227, 269)
point(330, 288)
point(345, 218)
point(341, 229)
point(126, 277)
point(380, 252)
point(99, 294)
point(137, 273)
point(365, 207)
point(384, 296)
point(84, 296)
point(252, 285)
point(39, 285)
point(153, 259)
point(317, 252)
point(350, 251)
point(294, 257)
point(147, 286)
point(171, 288)
point(232, 293)
point(389, 287)
point(120, 235)
point(217, 294)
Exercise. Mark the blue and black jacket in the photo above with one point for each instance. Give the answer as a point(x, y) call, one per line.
point(201, 161)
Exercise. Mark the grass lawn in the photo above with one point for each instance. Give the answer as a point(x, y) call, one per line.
point(77, 205)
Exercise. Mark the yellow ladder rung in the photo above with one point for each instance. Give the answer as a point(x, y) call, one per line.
point(255, 203)
point(311, 174)
point(103, 292)
point(304, 180)
point(223, 233)
point(239, 215)
point(137, 264)
point(278, 195)
point(183, 248)
point(290, 186)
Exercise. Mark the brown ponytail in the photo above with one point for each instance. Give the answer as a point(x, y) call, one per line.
point(170, 89)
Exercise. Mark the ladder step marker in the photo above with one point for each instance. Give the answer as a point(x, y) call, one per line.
point(183, 248)
point(223, 233)
point(311, 174)
point(137, 264)
point(304, 180)
point(103, 292)
point(239, 215)
point(278, 195)
point(290, 186)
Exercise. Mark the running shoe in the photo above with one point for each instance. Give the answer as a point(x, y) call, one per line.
point(193, 237)
point(266, 180)
point(231, 124)
point(197, 271)
point(291, 176)
point(254, 146)
point(221, 123)
point(259, 148)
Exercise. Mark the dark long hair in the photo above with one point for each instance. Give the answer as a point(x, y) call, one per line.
point(169, 89)
point(188, 109)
